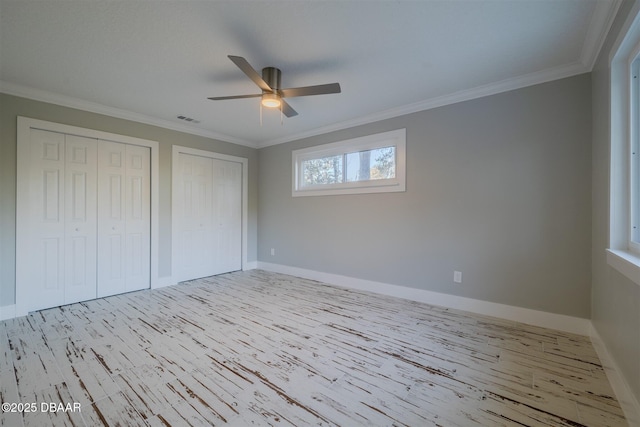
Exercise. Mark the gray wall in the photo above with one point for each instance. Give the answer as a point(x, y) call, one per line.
point(11, 107)
point(615, 301)
point(498, 188)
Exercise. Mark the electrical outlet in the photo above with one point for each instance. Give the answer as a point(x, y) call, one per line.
point(457, 276)
point(273, 252)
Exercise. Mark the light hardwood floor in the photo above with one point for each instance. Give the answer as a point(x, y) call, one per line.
point(258, 348)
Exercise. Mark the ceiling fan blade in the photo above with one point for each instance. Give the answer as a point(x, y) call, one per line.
point(310, 90)
point(287, 110)
point(250, 72)
point(222, 98)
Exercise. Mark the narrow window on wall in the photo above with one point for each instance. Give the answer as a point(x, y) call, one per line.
point(369, 164)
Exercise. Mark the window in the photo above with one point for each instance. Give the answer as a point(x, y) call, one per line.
point(623, 253)
point(370, 164)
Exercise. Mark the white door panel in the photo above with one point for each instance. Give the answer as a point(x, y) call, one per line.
point(111, 218)
point(138, 217)
point(80, 218)
point(61, 214)
point(207, 217)
point(228, 214)
point(45, 274)
point(194, 225)
point(124, 218)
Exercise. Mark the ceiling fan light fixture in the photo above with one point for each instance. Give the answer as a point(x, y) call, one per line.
point(271, 100)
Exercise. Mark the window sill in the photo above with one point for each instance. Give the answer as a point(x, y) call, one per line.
point(626, 263)
point(363, 189)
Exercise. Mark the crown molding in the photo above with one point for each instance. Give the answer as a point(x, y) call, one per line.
point(66, 101)
point(441, 101)
point(602, 18)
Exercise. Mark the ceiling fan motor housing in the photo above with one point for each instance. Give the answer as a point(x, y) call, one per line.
point(272, 76)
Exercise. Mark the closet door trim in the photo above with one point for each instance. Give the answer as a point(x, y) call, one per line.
point(24, 126)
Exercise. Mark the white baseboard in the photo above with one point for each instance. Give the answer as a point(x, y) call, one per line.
point(162, 282)
point(544, 319)
point(7, 312)
point(250, 265)
point(626, 398)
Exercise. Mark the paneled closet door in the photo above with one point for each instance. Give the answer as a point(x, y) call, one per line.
point(62, 218)
point(195, 229)
point(80, 219)
point(207, 202)
point(227, 214)
point(138, 218)
point(124, 218)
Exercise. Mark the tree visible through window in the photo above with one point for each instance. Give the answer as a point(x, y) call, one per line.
point(327, 170)
point(367, 164)
point(371, 164)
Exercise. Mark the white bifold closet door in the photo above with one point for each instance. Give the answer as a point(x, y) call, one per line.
point(62, 219)
point(124, 220)
point(85, 220)
point(208, 208)
point(227, 215)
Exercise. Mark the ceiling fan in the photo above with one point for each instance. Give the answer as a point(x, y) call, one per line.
point(272, 94)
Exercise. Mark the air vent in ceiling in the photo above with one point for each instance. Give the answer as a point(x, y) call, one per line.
point(188, 119)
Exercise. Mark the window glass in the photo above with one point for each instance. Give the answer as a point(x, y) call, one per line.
point(379, 163)
point(369, 164)
point(326, 170)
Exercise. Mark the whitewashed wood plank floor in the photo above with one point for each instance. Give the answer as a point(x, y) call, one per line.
point(258, 348)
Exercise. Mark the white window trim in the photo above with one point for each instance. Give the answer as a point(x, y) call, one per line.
point(634, 103)
point(396, 138)
point(623, 253)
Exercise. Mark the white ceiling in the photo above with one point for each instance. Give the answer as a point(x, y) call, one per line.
point(152, 61)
